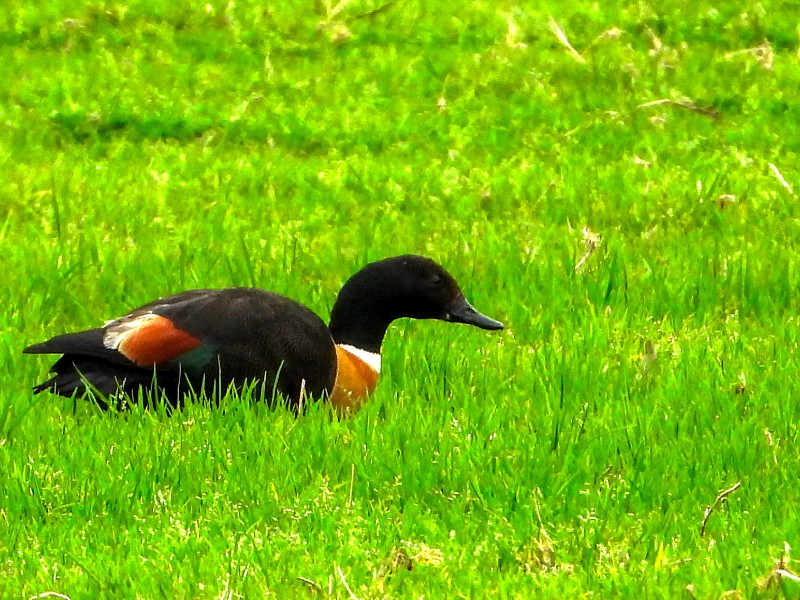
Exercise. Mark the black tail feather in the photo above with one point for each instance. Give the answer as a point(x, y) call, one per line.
point(76, 374)
point(81, 344)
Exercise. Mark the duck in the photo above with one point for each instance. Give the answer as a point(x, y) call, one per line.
point(209, 340)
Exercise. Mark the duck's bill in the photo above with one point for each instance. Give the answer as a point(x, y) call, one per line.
point(462, 312)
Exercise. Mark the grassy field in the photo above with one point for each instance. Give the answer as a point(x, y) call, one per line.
point(614, 181)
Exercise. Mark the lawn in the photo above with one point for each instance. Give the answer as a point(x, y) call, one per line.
point(616, 182)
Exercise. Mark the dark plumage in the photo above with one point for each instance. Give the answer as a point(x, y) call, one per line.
point(208, 340)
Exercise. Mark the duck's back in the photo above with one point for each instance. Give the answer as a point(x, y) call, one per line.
point(262, 335)
point(204, 338)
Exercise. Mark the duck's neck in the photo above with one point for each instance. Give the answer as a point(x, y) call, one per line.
point(366, 305)
point(357, 330)
point(359, 327)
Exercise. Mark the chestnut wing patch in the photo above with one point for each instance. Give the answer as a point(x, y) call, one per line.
point(149, 340)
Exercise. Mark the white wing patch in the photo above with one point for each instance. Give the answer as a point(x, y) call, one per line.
point(116, 335)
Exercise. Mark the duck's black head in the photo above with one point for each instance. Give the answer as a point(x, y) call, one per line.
point(403, 286)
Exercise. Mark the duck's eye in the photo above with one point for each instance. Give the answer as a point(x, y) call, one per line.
point(436, 278)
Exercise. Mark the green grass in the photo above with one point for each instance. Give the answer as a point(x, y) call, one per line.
point(153, 147)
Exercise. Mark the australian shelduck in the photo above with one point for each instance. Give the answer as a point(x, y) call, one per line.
point(204, 341)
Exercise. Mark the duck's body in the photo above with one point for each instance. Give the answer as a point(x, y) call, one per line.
point(209, 340)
